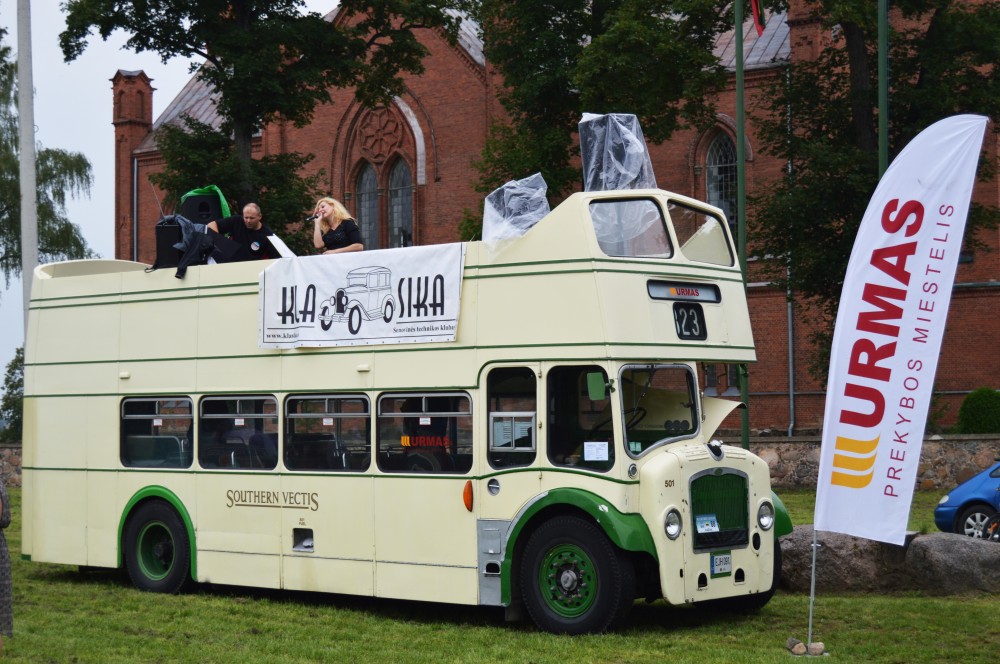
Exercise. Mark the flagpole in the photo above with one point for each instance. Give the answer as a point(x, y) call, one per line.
point(883, 86)
point(741, 204)
point(26, 154)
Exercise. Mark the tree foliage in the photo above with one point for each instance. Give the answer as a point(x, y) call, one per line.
point(823, 122)
point(13, 398)
point(59, 174)
point(265, 58)
point(560, 58)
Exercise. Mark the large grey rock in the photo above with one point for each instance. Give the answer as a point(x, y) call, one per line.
point(948, 564)
point(938, 563)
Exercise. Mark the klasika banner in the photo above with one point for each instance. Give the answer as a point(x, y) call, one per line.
point(889, 329)
point(387, 296)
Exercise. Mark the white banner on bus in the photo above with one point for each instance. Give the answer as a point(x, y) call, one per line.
point(889, 329)
point(387, 296)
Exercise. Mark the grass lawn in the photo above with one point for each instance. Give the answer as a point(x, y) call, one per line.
point(65, 615)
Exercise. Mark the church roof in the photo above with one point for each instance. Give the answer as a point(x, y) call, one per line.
point(197, 99)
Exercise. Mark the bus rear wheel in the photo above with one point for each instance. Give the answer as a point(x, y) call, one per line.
point(157, 549)
point(574, 580)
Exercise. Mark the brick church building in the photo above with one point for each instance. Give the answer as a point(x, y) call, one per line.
point(405, 172)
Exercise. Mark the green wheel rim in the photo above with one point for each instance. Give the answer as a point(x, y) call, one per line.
point(156, 550)
point(568, 581)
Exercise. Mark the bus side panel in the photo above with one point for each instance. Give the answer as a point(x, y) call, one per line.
point(239, 525)
point(425, 540)
point(336, 512)
point(59, 508)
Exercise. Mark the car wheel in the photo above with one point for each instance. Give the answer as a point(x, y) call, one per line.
point(972, 520)
point(324, 320)
point(354, 319)
point(573, 579)
point(387, 312)
point(157, 549)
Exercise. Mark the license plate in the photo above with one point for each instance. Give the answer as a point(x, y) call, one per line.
point(722, 563)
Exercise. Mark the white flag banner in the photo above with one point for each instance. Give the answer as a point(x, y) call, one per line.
point(889, 329)
point(387, 296)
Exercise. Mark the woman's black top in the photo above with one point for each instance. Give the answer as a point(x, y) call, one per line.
point(344, 235)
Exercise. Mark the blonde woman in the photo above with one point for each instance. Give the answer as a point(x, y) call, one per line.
point(334, 230)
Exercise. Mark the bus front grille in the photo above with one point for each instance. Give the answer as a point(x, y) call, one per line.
point(719, 509)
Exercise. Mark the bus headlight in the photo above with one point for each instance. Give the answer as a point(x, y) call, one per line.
point(672, 524)
point(765, 515)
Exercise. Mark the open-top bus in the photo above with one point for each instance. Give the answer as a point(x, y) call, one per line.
point(554, 455)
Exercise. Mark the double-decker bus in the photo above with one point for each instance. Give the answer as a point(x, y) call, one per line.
point(554, 456)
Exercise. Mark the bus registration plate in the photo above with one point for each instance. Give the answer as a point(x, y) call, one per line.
point(722, 563)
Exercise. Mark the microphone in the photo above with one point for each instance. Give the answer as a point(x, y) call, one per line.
point(311, 218)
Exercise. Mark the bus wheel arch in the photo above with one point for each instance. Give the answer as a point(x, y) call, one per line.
point(572, 578)
point(157, 548)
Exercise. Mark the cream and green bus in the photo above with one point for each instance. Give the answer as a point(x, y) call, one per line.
point(549, 451)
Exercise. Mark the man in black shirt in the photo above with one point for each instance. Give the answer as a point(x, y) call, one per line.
point(249, 231)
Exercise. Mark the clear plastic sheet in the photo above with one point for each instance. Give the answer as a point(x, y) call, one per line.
point(514, 208)
point(614, 153)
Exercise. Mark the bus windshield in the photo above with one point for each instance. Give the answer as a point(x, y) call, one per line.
point(659, 405)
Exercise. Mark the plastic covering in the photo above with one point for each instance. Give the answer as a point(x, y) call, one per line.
point(514, 208)
point(614, 153)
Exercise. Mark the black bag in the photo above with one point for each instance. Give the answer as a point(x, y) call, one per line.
point(168, 233)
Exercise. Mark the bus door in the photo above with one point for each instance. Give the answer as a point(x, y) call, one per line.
point(239, 498)
point(425, 538)
point(327, 523)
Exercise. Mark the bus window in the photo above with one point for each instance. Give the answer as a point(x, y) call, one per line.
point(580, 428)
point(701, 235)
point(633, 228)
point(512, 403)
point(327, 433)
point(659, 405)
point(238, 432)
point(425, 433)
point(156, 433)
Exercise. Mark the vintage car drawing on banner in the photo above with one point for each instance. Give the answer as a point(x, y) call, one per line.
point(368, 294)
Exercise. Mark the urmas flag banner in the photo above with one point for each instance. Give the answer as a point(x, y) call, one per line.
point(889, 329)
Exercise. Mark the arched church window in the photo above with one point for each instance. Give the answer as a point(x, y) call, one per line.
point(400, 206)
point(367, 210)
point(720, 177)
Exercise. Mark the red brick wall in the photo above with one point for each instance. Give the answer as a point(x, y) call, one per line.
point(452, 103)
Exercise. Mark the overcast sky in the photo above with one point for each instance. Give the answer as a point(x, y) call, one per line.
point(73, 111)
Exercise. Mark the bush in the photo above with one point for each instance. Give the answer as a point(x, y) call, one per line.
point(980, 412)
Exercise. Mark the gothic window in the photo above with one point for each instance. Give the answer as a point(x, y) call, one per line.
point(367, 206)
point(400, 206)
point(720, 177)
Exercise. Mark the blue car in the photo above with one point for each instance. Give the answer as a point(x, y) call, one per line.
point(966, 508)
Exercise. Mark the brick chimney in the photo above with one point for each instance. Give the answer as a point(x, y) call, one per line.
point(133, 120)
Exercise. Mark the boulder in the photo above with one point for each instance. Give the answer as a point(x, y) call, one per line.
point(937, 563)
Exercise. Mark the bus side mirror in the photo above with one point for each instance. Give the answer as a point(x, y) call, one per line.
point(597, 386)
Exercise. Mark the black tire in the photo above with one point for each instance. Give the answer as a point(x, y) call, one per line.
point(387, 311)
point(324, 321)
point(157, 549)
point(972, 520)
point(354, 319)
point(747, 603)
point(573, 579)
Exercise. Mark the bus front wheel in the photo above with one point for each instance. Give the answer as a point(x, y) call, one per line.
point(157, 549)
point(574, 580)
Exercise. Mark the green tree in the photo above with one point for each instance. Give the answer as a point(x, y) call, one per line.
point(58, 174)
point(559, 58)
point(13, 397)
point(265, 58)
point(823, 122)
